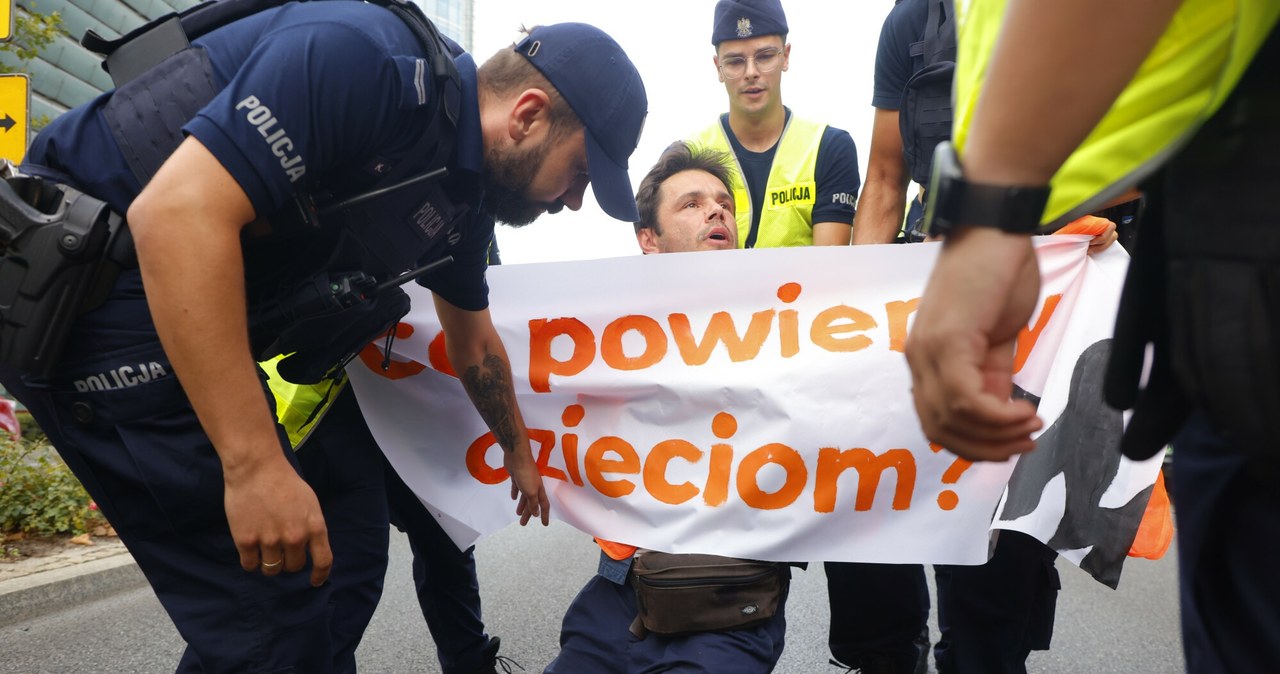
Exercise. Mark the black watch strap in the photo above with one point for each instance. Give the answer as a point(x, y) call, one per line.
point(1011, 209)
point(953, 201)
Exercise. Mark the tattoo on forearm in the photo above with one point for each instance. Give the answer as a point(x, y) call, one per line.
point(490, 389)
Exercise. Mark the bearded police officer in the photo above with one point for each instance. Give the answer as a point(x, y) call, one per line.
point(278, 175)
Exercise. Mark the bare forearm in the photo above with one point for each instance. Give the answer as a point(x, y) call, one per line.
point(880, 211)
point(488, 384)
point(1045, 93)
point(831, 233)
point(199, 312)
point(187, 234)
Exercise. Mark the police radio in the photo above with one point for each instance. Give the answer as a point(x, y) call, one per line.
point(325, 321)
point(60, 252)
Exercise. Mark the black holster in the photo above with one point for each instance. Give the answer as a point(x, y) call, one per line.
point(60, 252)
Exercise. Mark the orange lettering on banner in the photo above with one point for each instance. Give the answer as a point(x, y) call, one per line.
point(655, 343)
point(832, 322)
point(778, 454)
point(542, 364)
point(572, 417)
point(373, 358)
point(476, 465)
point(717, 490)
point(832, 462)
point(610, 460)
point(655, 471)
point(546, 441)
point(438, 356)
point(1028, 336)
point(899, 313)
point(838, 329)
point(789, 321)
point(720, 329)
point(596, 466)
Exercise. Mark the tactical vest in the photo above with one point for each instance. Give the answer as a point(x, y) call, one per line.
point(786, 216)
point(1186, 77)
point(924, 118)
point(327, 238)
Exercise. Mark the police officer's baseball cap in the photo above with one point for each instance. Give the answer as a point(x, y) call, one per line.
point(742, 19)
point(603, 87)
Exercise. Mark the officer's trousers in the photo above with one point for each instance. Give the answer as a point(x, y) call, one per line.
point(124, 426)
point(445, 578)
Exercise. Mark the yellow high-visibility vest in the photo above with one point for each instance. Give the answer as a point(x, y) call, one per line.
point(300, 407)
point(786, 216)
point(1184, 80)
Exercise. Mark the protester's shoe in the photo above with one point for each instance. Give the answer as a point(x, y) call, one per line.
point(492, 661)
point(925, 646)
point(869, 665)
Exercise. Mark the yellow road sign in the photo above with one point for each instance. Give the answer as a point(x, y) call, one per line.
point(6, 20)
point(15, 108)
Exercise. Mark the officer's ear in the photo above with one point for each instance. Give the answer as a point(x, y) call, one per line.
point(715, 60)
point(648, 240)
point(530, 115)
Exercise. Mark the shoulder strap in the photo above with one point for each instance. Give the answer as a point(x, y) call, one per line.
point(142, 48)
point(940, 32)
point(138, 50)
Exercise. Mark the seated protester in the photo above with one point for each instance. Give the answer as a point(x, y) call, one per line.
point(685, 204)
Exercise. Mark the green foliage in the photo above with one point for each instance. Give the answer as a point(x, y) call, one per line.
point(38, 493)
point(32, 32)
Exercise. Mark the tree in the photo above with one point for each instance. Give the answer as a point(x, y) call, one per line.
point(32, 32)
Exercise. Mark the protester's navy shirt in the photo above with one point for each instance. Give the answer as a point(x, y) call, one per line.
point(835, 173)
point(314, 93)
point(903, 29)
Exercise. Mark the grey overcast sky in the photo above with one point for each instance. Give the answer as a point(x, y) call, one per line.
point(833, 46)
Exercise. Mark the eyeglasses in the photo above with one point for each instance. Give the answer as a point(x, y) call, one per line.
point(766, 60)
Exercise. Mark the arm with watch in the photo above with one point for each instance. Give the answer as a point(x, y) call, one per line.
point(1041, 99)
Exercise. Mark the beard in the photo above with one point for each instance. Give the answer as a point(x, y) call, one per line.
point(508, 174)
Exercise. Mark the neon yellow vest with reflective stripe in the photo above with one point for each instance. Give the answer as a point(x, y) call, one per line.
point(787, 213)
point(300, 407)
point(1184, 80)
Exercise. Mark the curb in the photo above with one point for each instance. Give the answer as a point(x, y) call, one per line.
point(32, 596)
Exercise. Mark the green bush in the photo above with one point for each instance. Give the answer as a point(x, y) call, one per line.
point(38, 493)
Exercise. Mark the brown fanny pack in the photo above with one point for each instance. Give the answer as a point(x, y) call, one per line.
point(684, 594)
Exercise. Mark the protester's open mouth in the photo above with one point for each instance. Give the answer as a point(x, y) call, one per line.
point(718, 233)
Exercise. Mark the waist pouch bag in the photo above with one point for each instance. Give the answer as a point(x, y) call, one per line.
point(685, 594)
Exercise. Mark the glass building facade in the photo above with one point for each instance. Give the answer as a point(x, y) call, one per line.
point(454, 18)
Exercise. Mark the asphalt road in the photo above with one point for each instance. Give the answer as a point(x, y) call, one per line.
point(528, 576)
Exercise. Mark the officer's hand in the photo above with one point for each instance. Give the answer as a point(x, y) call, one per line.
point(526, 485)
point(275, 520)
point(960, 349)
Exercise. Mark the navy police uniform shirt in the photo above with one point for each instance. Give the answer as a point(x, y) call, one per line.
point(902, 30)
point(835, 174)
point(327, 94)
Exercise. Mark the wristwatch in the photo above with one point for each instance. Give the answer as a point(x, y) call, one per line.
point(952, 200)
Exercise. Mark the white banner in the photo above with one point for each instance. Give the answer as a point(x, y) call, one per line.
point(745, 403)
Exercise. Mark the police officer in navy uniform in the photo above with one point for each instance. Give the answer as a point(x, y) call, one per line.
point(795, 180)
point(157, 404)
point(993, 615)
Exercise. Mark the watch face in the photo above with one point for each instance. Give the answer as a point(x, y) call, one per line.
point(946, 173)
